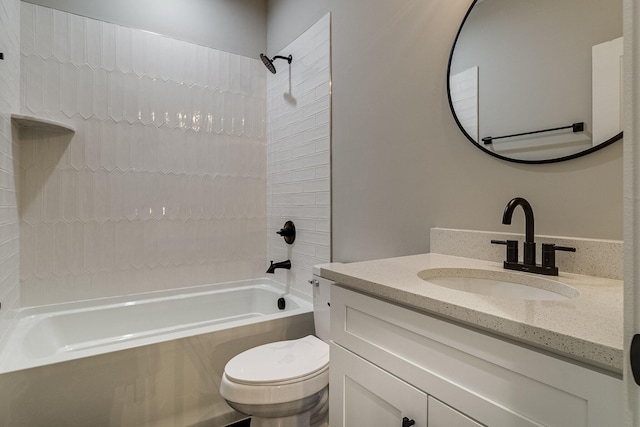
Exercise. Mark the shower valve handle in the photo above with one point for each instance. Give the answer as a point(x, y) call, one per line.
point(288, 232)
point(406, 422)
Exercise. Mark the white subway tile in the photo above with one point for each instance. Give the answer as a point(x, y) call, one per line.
point(115, 103)
point(109, 46)
point(164, 58)
point(317, 159)
point(103, 191)
point(69, 89)
point(131, 89)
point(303, 174)
point(124, 49)
point(323, 198)
point(44, 33)
point(138, 62)
point(223, 70)
point(317, 185)
point(178, 61)
point(35, 83)
point(33, 204)
point(85, 91)
point(86, 195)
point(52, 197)
point(77, 39)
point(27, 28)
point(93, 36)
point(44, 250)
point(69, 194)
point(53, 87)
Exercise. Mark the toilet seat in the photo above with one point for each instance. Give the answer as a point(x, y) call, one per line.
point(279, 362)
point(278, 372)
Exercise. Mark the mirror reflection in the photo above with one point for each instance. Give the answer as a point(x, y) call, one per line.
point(539, 80)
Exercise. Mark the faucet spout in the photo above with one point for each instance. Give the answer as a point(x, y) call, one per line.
point(529, 242)
point(528, 216)
point(282, 264)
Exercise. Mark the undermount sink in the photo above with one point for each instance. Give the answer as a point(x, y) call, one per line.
point(502, 284)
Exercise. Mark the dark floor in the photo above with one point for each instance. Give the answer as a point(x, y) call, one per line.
point(242, 423)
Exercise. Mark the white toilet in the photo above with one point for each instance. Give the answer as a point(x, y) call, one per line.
point(285, 383)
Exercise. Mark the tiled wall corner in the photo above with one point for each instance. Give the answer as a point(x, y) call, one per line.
point(9, 225)
point(299, 155)
point(163, 184)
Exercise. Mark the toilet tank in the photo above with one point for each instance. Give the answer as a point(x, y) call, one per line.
point(321, 300)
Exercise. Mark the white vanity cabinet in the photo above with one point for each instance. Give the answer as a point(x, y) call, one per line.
point(389, 362)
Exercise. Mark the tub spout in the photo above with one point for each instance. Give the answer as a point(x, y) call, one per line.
point(283, 264)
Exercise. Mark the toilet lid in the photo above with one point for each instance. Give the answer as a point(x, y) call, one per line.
point(279, 361)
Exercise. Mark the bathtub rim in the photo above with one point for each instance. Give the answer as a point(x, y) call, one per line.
point(32, 314)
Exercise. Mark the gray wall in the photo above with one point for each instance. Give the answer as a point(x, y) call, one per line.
point(400, 164)
point(236, 26)
point(287, 19)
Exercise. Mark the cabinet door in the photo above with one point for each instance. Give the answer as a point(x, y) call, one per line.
point(362, 394)
point(441, 415)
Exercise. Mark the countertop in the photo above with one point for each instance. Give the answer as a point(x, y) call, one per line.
point(587, 328)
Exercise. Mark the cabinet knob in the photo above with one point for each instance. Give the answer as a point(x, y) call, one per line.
point(406, 422)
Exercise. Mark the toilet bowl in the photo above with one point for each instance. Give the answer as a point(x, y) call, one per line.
point(280, 384)
point(285, 383)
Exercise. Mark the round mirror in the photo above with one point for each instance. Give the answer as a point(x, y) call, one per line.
point(538, 81)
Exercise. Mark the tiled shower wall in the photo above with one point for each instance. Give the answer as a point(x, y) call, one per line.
point(162, 185)
point(9, 98)
point(298, 155)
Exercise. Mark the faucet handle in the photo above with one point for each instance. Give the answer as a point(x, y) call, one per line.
point(564, 248)
point(512, 248)
point(288, 232)
point(549, 254)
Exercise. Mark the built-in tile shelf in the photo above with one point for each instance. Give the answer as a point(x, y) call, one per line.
point(31, 122)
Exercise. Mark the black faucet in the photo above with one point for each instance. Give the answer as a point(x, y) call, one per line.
point(529, 242)
point(283, 264)
point(548, 266)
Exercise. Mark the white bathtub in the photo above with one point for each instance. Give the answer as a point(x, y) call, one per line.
point(62, 332)
point(151, 359)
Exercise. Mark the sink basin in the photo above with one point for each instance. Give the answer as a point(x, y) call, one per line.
point(502, 284)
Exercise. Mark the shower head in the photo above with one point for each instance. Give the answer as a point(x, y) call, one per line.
point(269, 62)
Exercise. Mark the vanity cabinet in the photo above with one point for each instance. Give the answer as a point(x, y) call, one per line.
point(389, 362)
point(372, 396)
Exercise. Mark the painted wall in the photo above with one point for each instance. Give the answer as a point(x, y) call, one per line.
point(298, 156)
point(9, 225)
point(235, 26)
point(287, 19)
point(401, 166)
point(163, 184)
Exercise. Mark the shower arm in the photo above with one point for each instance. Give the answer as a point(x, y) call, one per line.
point(288, 58)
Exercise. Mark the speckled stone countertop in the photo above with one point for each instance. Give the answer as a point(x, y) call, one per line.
point(587, 328)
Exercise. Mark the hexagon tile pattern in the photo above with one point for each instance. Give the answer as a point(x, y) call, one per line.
point(162, 185)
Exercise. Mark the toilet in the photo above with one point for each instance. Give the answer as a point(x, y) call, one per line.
point(285, 383)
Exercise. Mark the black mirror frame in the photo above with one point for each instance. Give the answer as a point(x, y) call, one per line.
point(499, 156)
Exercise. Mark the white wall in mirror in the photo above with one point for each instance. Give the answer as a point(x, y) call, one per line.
point(464, 97)
point(607, 89)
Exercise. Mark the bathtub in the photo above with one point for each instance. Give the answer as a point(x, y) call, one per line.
point(151, 359)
